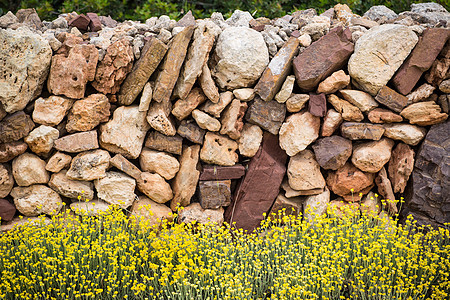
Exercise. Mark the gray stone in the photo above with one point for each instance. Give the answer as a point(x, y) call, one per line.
point(332, 152)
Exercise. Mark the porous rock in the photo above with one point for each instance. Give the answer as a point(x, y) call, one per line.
point(116, 188)
point(29, 169)
point(36, 199)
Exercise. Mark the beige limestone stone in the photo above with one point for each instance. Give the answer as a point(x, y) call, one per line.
point(409, 134)
point(183, 107)
point(250, 140)
point(146, 98)
point(316, 205)
point(218, 149)
point(362, 100)
point(331, 122)
point(215, 109)
point(51, 111)
point(72, 189)
point(372, 156)
point(29, 169)
point(296, 102)
point(91, 208)
point(208, 85)
point(159, 162)
point(298, 131)
point(89, 165)
point(381, 115)
point(244, 94)
point(6, 180)
point(424, 113)
point(153, 212)
point(304, 172)
point(57, 162)
point(41, 139)
point(77, 142)
point(335, 82)
point(194, 213)
point(116, 188)
point(36, 199)
point(232, 119)
point(205, 121)
point(155, 187)
point(348, 111)
point(158, 116)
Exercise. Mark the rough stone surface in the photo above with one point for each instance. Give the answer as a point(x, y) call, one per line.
point(291, 193)
point(151, 211)
point(372, 156)
point(215, 109)
point(231, 120)
point(214, 194)
point(296, 102)
point(371, 205)
point(286, 89)
point(25, 66)
point(385, 189)
point(348, 111)
point(322, 58)
point(161, 142)
point(87, 113)
point(125, 132)
point(360, 99)
point(317, 105)
point(316, 205)
point(124, 165)
point(269, 115)
point(391, 99)
point(380, 13)
point(51, 111)
point(250, 140)
point(6, 180)
point(378, 55)
point(91, 208)
point(332, 152)
point(242, 64)
point(424, 113)
point(304, 172)
point(185, 181)
point(331, 122)
point(284, 206)
point(36, 199)
point(7, 210)
point(15, 126)
point(422, 93)
point(439, 70)
point(205, 121)
point(409, 134)
point(401, 166)
point(380, 116)
point(362, 131)
point(155, 187)
point(72, 189)
point(159, 162)
point(244, 94)
point(29, 169)
point(183, 107)
point(218, 149)
point(335, 82)
point(298, 131)
point(189, 130)
point(195, 213)
point(208, 85)
point(116, 188)
point(158, 116)
point(89, 165)
point(146, 98)
point(260, 186)
point(210, 172)
point(41, 139)
point(77, 142)
point(57, 162)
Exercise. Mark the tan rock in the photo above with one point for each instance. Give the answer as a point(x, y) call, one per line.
point(190, 131)
point(154, 213)
point(348, 111)
point(390, 98)
point(232, 119)
point(194, 213)
point(205, 121)
point(146, 98)
point(291, 193)
point(155, 187)
point(57, 162)
point(116, 188)
point(362, 100)
point(91, 208)
point(72, 189)
point(214, 194)
point(36, 199)
point(208, 85)
point(218, 149)
point(298, 131)
point(422, 93)
point(385, 189)
point(362, 131)
point(29, 169)
point(185, 181)
point(41, 139)
point(371, 205)
point(409, 134)
point(296, 102)
point(424, 113)
point(10, 150)
point(15, 126)
point(122, 164)
point(51, 111)
point(183, 107)
point(158, 116)
point(6, 180)
point(444, 86)
point(284, 206)
point(335, 82)
point(401, 166)
point(215, 109)
point(89, 165)
point(77, 142)
point(381, 115)
point(250, 140)
point(316, 205)
point(87, 113)
point(286, 89)
point(161, 142)
point(244, 94)
point(304, 172)
point(372, 156)
point(331, 122)
point(125, 132)
point(159, 162)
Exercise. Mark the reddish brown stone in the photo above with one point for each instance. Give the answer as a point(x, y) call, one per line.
point(421, 59)
point(440, 69)
point(15, 126)
point(260, 186)
point(7, 210)
point(95, 24)
point(317, 105)
point(391, 99)
point(323, 57)
point(108, 21)
point(81, 22)
point(269, 115)
point(385, 190)
point(189, 130)
point(401, 166)
point(161, 142)
point(125, 166)
point(87, 113)
point(380, 115)
point(8, 151)
point(77, 142)
point(210, 172)
point(187, 20)
point(214, 194)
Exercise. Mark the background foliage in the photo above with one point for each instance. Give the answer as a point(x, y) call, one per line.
point(143, 9)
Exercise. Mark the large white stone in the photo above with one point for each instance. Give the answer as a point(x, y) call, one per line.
point(250, 140)
point(298, 131)
point(116, 188)
point(36, 199)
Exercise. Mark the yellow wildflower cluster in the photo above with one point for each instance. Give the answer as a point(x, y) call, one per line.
point(112, 256)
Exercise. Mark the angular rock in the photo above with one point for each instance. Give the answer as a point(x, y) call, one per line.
point(158, 116)
point(51, 111)
point(285, 90)
point(214, 194)
point(26, 61)
point(250, 140)
point(208, 85)
point(362, 131)
point(8, 151)
point(391, 99)
point(380, 13)
point(244, 94)
point(205, 121)
point(215, 109)
point(114, 67)
point(331, 122)
point(277, 70)
point(183, 107)
point(155, 187)
point(401, 166)
point(171, 66)
point(298, 131)
point(348, 182)
point(57, 162)
point(221, 172)
point(72, 189)
point(218, 149)
point(87, 113)
point(146, 98)
point(41, 139)
point(385, 189)
point(7, 210)
point(260, 186)
point(6, 180)
point(296, 102)
point(422, 93)
point(36, 199)
point(29, 169)
point(89, 165)
point(116, 188)
point(91, 208)
point(240, 65)
point(424, 113)
point(269, 115)
point(348, 111)
point(8, 19)
point(81, 22)
point(15, 126)
point(185, 181)
point(378, 55)
point(439, 70)
point(125, 166)
point(360, 99)
point(153, 212)
point(159, 162)
point(94, 24)
point(317, 105)
point(125, 132)
point(161, 142)
point(66, 80)
point(151, 55)
point(231, 120)
point(335, 82)
point(372, 156)
point(284, 206)
point(380, 116)
point(421, 59)
point(332, 152)
point(409, 134)
point(194, 213)
point(304, 172)
point(322, 58)
point(187, 20)
point(77, 142)
point(316, 205)
point(192, 132)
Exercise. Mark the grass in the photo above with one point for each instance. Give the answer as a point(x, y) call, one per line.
point(112, 256)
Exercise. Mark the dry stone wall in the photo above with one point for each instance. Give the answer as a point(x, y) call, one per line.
point(229, 119)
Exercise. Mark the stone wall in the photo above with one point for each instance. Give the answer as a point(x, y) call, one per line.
point(230, 119)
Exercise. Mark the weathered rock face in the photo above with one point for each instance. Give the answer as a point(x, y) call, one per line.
point(362, 131)
point(89, 165)
point(116, 188)
point(296, 102)
point(298, 132)
point(29, 169)
point(304, 172)
point(159, 162)
point(210, 172)
point(337, 81)
point(331, 122)
point(380, 115)
point(155, 187)
point(51, 111)
point(214, 194)
point(372, 156)
point(250, 140)
point(205, 121)
point(6, 180)
point(215, 109)
point(428, 198)
point(77, 142)
point(195, 213)
point(91, 208)
point(36, 199)
point(348, 111)
point(10, 150)
point(401, 166)
point(391, 99)
point(151, 211)
point(269, 115)
point(15, 126)
point(409, 134)
point(241, 56)
point(72, 189)
point(231, 120)
point(332, 152)
point(161, 142)
point(26, 63)
point(57, 162)
point(41, 139)
point(285, 206)
point(125, 132)
point(87, 113)
point(378, 55)
point(218, 149)
point(360, 99)
point(424, 113)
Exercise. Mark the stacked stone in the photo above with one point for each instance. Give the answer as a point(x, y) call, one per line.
point(229, 119)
